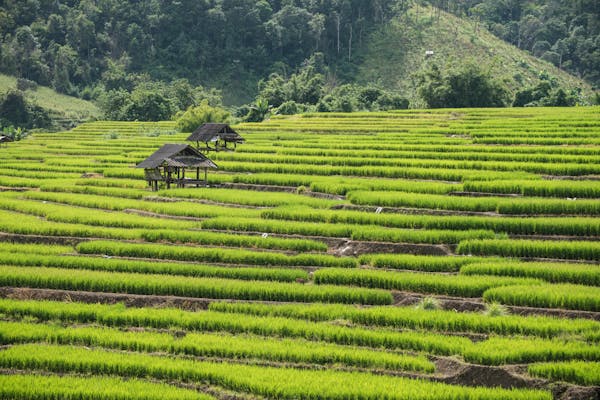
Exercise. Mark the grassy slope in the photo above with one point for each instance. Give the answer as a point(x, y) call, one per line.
point(62, 107)
point(396, 53)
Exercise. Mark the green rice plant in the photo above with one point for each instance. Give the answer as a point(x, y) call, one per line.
point(118, 315)
point(152, 267)
point(235, 196)
point(444, 174)
point(417, 262)
point(356, 232)
point(499, 350)
point(579, 226)
point(185, 209)
point(418, 200)
point(410, 318)
point(108, 182)
point(285, 383)
point(50, 387)
point(585, 274)
point(10, 247)
point(574, 250)
point(30, 225)
point(276, 226)
point(91, 216)
point(168, 285)
point(233, 256)
point(545, 188)
point(430, 236)
point(479, 204)
point(213, 345)
point(452, 285)
point(574, 297)
point(98, 190)
point(224, 239)
point(528, 206)
point(577, 372)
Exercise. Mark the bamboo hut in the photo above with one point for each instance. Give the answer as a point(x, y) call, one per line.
point(169, 164)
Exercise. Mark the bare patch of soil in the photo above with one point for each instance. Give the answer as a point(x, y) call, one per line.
point(92, 175)
point(356, 248)
point(483, 194)
point(40, 239)
point(163, 216)
point(130, 300)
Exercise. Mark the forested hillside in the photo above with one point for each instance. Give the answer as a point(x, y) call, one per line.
point(76, 44)
point(151, 59)
point(565, 33)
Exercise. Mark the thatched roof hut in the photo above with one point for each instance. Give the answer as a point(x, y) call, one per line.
point(5, 139)
point(174, 159)
point(220, 135)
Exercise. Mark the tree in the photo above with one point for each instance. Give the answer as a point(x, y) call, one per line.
point(467, 87)
point(258, 111)
point(17, 111)
point(193, 117)
point(149, 103)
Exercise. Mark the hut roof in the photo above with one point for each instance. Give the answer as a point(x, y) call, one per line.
point(211, 132)
point(177, 155)
point(4, 139)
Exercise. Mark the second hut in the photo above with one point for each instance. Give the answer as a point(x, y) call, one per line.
point(216, 137)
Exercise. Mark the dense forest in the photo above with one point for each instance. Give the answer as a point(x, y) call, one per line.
point(115, 52)
point(75, 44)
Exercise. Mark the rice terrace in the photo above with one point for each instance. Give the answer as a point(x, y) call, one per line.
point(410, 254)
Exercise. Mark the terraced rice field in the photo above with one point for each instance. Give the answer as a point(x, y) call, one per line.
point(448, 254)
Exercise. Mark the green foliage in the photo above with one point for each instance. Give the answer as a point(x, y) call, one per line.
point(187, 253)
point(468, 87)
point(452, 285)
point(495, 310)
point(286, 383)
point(559, 32)
point(119, 282)
point(585, 274)
point(16, 110)
point(429, 303)
point(574, 250)
point(544, 94)
point(40, 387)
point(149, 267)
point(258, 111)
point(409, 317)
point(578, 372)
point(214, 345)
point(575, 297)
point(307, 89)
point(195, 116)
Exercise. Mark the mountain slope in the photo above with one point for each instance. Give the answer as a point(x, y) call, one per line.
point(64, 110)
point(395, 54)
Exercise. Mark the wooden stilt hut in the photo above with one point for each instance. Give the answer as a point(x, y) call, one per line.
point(216, 137)
point(169, 163)
point(5, 140)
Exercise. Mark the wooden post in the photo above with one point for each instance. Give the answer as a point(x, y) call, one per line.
point(168, 177)
point(197, 176)
point(182, 177)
